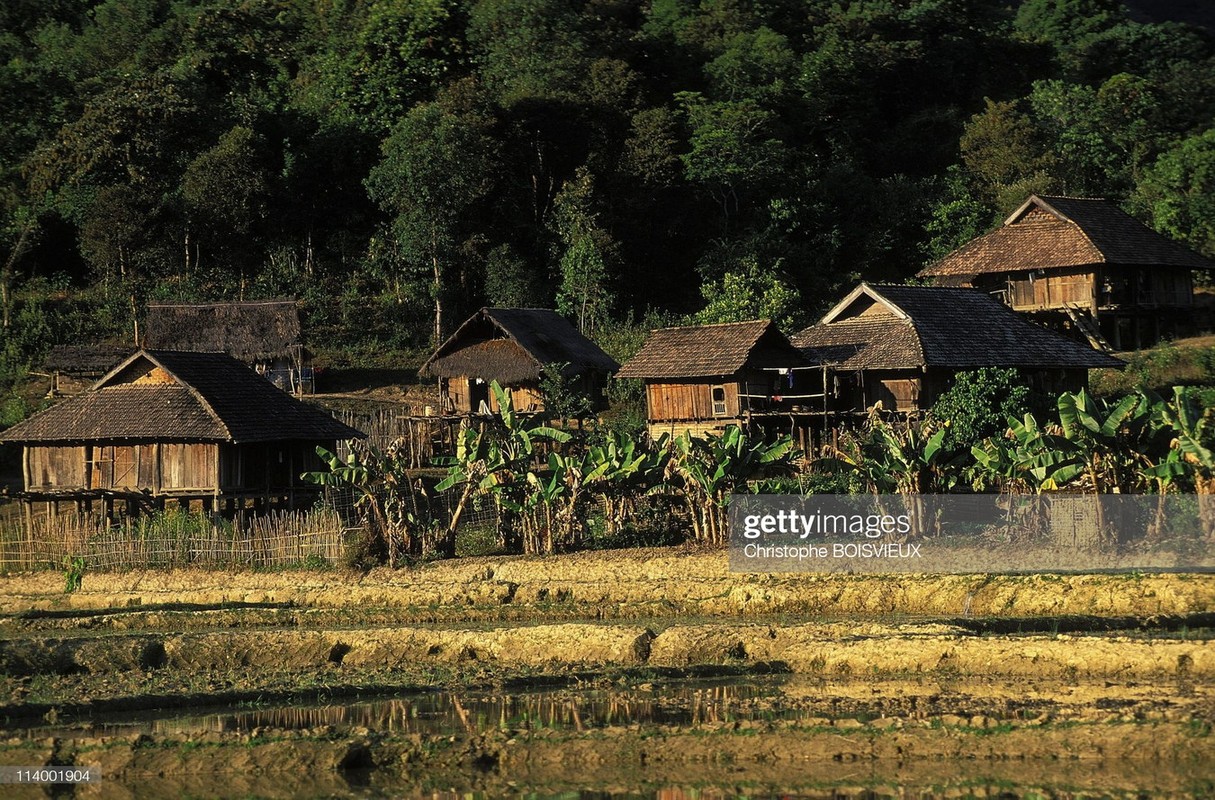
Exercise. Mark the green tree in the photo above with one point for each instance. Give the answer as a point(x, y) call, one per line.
point(438, 169)
point(587, 257)
point(1178, 192)
point(752, 294)
point(734, 150)
point(1003, 151)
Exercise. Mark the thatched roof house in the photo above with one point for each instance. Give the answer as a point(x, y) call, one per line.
point(902, 345)
point(702, 378)
point(172, 425)
point(1081, 259)
point(74, 367)
point(513, 346)
point(265, 334)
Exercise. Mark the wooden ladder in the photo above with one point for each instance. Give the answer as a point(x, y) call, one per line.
point(1088, 326)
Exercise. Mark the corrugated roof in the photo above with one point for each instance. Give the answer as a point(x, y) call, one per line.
point(195, 397)
point(712, 350)
point(944, 327)
point(250, 331)
point(511, 345)
point(1058, 232)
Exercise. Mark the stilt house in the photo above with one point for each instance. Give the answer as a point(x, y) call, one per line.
point(1085, 264)
point(902, 346)
point(513, 346)
point(169, 427)
point(264, 334)
point(74, 368)
point(703, 378)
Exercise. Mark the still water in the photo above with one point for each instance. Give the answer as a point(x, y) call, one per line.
point(759, 737)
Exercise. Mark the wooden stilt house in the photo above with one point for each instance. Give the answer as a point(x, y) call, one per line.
point(902, 346)
point(74, 368)
point(701, 378)
point(264, 334)
point(1086, 265)
point(166, 427)
point(513, 346)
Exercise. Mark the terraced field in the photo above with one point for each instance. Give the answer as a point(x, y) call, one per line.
point(620, 673)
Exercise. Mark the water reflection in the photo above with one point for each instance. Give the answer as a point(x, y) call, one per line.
point(444, 713)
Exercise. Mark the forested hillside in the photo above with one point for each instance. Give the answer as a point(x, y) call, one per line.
point(396, 163)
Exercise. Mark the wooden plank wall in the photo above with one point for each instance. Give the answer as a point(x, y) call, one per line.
point(1054, 290)
point(688, 401)
point(55, 467)
point(151, 466)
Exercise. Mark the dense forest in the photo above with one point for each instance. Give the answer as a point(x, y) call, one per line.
point(396, 163)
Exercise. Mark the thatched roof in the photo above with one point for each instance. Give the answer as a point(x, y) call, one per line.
point(85, 359)
point(250, 331)
point(512, 345)
point(181, 397)
point(902, 327)
point(701, 351)
point(1062, 232)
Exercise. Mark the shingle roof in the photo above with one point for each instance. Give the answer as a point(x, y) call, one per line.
point(192, 397)
point(937, 326)
point(511, 345)
point(250, 331)
point(1055, 232)
point(712, 350)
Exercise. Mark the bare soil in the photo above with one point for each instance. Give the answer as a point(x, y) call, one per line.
point(892, 680)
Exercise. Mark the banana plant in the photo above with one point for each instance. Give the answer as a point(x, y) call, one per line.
point(493, 459)
point(1028, 458)
point(1110, 436)
point(395, 507)
point(620, 470)
point(704, 472)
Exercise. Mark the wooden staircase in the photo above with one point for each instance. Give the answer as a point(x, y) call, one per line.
point(1087, 325)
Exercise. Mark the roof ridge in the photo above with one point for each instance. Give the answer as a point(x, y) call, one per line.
point(206, 404)
point(709, 325)
point(202, 304)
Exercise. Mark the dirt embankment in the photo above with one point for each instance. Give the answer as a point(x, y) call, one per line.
point(1109, 673)
point(625, 585)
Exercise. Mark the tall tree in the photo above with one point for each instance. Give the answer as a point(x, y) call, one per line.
point(438, 168)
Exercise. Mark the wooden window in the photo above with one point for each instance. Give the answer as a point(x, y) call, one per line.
point(719, 401)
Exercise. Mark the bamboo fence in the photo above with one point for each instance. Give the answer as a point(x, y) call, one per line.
point(172, 540)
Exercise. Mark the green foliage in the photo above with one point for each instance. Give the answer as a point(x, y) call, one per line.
point(397, 163)
point(562, 393)
point(755, 294)
point(706, 471)
point(903, 459)
point(397, 514)
point(587, 258)
point(1178, 192)
point(73, 574)
point(979, 403)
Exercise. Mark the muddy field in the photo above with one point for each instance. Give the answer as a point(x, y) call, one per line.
point(563, 674)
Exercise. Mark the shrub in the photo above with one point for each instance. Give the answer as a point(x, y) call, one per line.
point(979, 404)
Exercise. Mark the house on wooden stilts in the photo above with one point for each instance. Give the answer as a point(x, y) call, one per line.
point(513, 346)
point(192, 430)
point(264, 334)
point(902, 346)
point(73, 368)
point(702, 378)
point(1085, 265)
